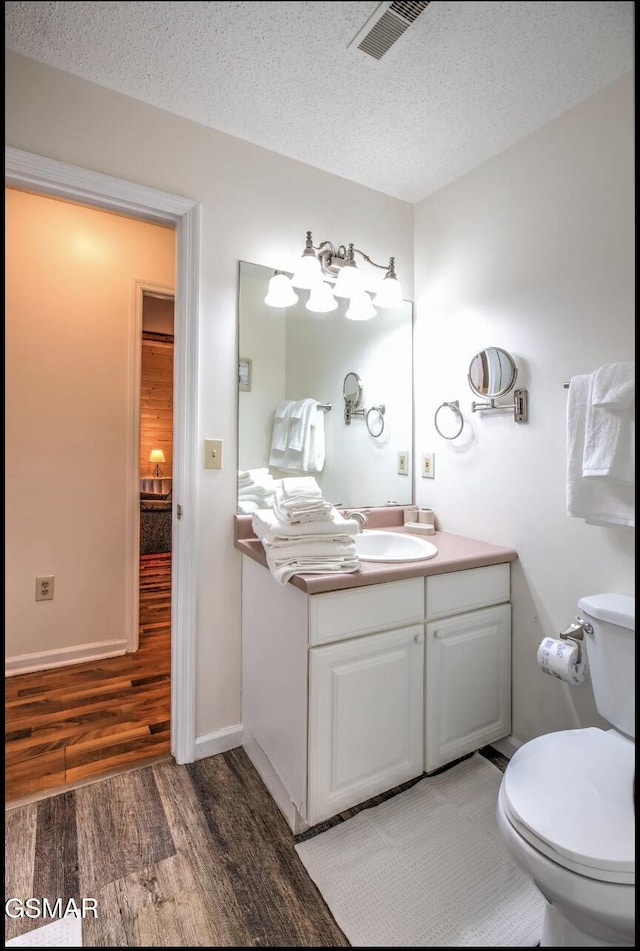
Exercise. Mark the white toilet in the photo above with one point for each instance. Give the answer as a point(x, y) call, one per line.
point(566, 807)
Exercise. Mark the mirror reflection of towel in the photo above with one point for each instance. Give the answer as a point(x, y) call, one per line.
point(297, 442)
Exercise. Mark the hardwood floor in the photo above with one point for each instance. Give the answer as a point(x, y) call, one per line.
point(174, 856)
point(72, 723)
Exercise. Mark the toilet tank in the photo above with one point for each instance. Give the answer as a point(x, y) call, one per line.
point(611, 652)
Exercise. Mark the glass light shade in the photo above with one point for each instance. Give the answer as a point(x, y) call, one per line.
point(308, 272)
point(321, 300)
point(361, 307)
point(389, 293)
point(349, 281)
point(280, 293)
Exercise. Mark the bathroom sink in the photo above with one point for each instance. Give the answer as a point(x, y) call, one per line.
point(378, 545)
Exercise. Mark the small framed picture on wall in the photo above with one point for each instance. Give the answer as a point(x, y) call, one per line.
point(244, 374)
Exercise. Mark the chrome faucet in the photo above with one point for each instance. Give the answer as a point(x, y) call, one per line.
point(360, 517)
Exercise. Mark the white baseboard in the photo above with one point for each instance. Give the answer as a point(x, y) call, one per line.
point(64, 656)
point(219, 742)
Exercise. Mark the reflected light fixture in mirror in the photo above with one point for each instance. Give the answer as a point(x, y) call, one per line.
point(280, 293)
point(326, 262)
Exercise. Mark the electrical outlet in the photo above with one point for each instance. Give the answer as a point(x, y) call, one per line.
point(213, 454)
point(44, 588)
point(428, 465)
point(403, 463)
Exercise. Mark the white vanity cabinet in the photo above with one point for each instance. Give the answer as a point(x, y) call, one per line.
point(468, 662)
point(332, 691)
point(365, 718)
point(349, 693)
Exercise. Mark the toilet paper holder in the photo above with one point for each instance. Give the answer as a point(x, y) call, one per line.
point(575, 632)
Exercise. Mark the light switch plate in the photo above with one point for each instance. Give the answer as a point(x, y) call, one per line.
point(213, 454)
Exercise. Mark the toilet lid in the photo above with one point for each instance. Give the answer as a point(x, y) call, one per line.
point(570, 794)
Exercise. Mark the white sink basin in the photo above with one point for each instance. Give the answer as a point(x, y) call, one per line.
point(378, 545)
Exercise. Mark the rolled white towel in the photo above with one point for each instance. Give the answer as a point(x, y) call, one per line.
point(261, 476)
point(247, 507)
point(256, 489)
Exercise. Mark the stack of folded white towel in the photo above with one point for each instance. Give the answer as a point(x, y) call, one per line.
point(256, 489)
point(303, 533)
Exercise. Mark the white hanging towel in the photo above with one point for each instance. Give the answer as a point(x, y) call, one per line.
point(610, 425)
point(600, 501)
point(297, 442)
point(280, 434)
point(314, 450)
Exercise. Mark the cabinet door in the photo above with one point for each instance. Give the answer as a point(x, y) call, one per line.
point(365, 718)
point(467, 684)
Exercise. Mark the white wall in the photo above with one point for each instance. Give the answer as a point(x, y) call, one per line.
point(70, 274)
point(256, 206)
point(533, 251)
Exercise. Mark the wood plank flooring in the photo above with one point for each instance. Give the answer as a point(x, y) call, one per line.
point(175, 856)
point(72, 723)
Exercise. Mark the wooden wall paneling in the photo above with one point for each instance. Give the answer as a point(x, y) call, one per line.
point(156, 402)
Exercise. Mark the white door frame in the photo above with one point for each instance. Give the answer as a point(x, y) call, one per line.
point(132, 594)
point(42, 175)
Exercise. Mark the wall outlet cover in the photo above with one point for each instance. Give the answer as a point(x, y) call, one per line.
point(428, 465)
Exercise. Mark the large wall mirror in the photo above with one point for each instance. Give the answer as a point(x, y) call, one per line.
point(297, 355)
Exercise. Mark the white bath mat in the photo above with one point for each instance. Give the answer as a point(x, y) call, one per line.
point(61, 933)
point(427, 868)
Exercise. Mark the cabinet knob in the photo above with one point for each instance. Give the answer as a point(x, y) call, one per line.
point(419, 638)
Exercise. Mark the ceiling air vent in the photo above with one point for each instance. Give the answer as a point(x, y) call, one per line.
point(386, 26)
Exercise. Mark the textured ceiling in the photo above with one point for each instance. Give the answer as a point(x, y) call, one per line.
point(463, 83)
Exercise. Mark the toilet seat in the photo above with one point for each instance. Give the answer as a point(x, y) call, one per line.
point(570, 795)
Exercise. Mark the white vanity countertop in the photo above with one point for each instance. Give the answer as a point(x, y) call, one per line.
point(455, 553)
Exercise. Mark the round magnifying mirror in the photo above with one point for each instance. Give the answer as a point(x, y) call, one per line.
point(492, 373)
point(352, 390)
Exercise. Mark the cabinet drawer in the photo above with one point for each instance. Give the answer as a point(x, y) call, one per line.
point(341, 614)
point(467, 590)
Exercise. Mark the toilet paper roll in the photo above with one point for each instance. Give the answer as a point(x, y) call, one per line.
point(562, 659)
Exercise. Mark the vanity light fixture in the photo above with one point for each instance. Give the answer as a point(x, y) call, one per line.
point(325, 262)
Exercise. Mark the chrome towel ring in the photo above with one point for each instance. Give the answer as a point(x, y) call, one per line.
point(450, 425)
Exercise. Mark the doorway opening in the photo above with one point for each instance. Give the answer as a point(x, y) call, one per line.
point(41, 175)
